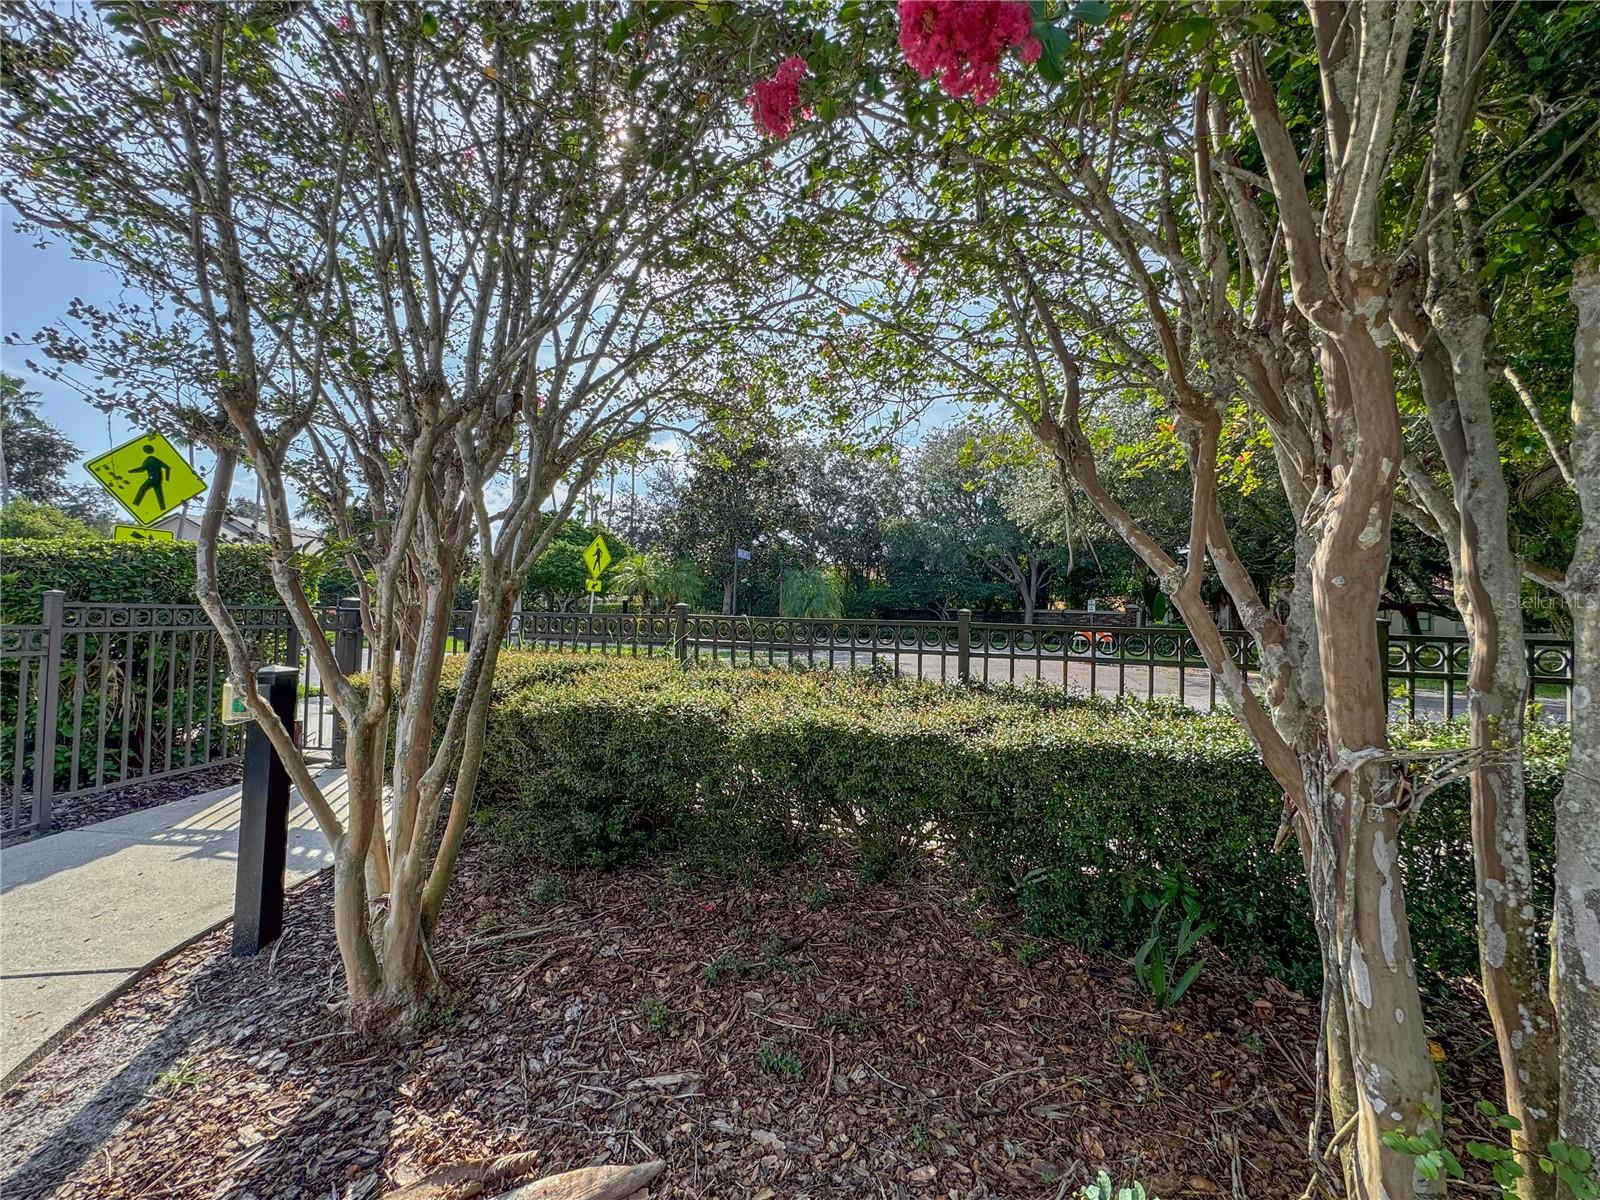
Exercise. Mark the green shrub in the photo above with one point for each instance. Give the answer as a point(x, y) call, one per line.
point(1076, 809)
point(153, 691)
point(98, 571)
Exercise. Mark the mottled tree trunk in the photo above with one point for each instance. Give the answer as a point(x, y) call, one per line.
point(1451, 357)
point(1360, 793)
point(1576, 966)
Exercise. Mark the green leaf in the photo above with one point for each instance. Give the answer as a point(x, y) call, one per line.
point(1182, 985)
point(430, 24)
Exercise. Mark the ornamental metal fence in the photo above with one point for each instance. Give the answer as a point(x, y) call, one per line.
point(105, 696)
point(1425, 674)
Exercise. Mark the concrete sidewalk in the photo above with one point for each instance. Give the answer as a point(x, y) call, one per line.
point(84, 911)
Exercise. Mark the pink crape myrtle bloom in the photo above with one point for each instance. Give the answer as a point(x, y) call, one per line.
point(773, 101)
point(962, 40)
point(344, 24)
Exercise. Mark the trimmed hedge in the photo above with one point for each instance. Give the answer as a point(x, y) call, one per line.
point(99, 571)
point(1073, 807)
point(138, 669)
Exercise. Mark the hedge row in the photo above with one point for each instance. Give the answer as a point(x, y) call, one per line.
point(95, 570)
point(175, 681)
point(1073, 807)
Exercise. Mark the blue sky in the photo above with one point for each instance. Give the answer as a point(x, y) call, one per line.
point(35, 288)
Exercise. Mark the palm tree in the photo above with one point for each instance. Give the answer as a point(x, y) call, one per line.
point(813, 592)
point(642, 575)
point(681, 583)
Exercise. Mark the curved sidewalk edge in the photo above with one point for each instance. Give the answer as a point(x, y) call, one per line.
point(87, 913)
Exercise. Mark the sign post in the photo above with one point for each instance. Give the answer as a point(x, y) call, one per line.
point(597, 558)
point(740, 554)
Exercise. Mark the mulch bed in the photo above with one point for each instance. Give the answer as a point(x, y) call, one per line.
point(71, 812)
point(804, 1034)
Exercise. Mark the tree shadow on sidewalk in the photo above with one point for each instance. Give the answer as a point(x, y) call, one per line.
point(146, 1055)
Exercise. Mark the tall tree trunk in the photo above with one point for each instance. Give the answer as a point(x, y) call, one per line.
point(364, 789)
point(1576, 958)
point(1451, 350)
point(1360, 793)
point(1449, 345)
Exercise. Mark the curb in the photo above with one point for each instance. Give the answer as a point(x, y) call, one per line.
point(15, 1076)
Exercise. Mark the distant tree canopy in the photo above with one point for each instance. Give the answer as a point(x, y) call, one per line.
point(36, 458)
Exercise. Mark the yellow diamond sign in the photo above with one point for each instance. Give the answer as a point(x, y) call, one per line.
point(597, 557)
point(147, 476)
point(138, 533)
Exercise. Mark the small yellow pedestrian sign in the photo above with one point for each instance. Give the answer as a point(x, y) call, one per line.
point(147, 476)
point(597, 558)
point(594, 585)
point(138, 533)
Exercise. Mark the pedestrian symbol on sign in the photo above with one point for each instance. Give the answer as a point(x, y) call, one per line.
point(156, 473)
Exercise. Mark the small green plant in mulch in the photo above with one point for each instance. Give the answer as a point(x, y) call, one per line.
point(1133, 1053)
point(774, 957)
point(820, 895)
point(180, 1074)
point(656, 1015)
point(919, 1139)
point(679, 876)
point(1028, 952)
point(547, 890)
point(777, 1061)
point(1101, 1189)
point(836, 1022)
point(1160, 958)
point(438, 1016)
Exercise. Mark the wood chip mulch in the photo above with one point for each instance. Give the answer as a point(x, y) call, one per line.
point(803, 1034)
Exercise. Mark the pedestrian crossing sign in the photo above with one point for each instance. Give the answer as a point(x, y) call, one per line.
point(138, 533)
point(147, 476)
point(597, 558)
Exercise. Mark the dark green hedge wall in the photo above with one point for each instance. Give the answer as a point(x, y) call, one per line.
point(1072, 807)
point(126, 572)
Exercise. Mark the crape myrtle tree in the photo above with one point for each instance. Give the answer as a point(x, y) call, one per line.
point(431, 265)
point(1267, 208)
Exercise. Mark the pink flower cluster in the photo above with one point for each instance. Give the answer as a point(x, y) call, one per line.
point(963, 40)
point(773, 101)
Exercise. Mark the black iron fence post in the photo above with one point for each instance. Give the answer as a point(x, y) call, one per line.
point(680, 631)
point(347, 655)
point(44, 754)
point(264, 821)
point(1383, 660)
point(964, 645)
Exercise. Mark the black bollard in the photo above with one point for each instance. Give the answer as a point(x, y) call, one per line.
point(264, 821)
